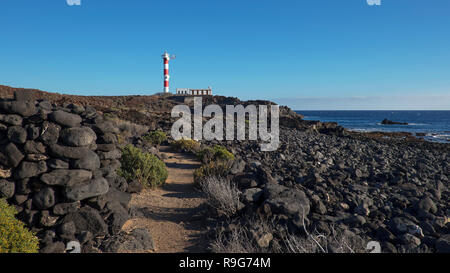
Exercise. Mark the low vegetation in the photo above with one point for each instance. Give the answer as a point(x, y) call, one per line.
point(212, 169)
point(217, 152)
point(242, 239)
point(143, 167)
point(221, 195)
point(155, 137)
point(126, 128)
point(14, 236)
point(186, 145)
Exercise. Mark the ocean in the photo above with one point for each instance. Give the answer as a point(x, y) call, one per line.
point(434, 124)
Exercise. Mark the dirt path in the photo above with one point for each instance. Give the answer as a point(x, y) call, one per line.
point(171, 213)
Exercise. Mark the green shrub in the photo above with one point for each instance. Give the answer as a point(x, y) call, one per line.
point(221, 153)
point(218, 152)
point(155, 137)
point(206, 154)
point(213, 168)
point(143, 167)
point(186, 145)
point(14, 236)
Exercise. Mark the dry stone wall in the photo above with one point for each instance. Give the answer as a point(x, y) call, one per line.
point(58, 168)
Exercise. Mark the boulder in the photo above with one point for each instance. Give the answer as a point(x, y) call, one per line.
point(78, 109)
point(44, 199)
point(55, 163)
point(238, 166)
point(95, 187)
point(65, 119)
point(119, 196)
point(65, 178)
point(68, 152)
point(23, 108)
point(67, 230)
point(77, 137)
point(118, 216)
point(118, 182)
point(252, 195)
point(13, 154)
point(17, 134)
point(443, 244)
point(46, 105)
point(34, 147)
point(87, 219)
point(50, 133)
point(33, 131)
point(7, 188)
point(427, 205)
point(15, 120)
point(90, 161)
point(23, 186)
point(286, 201)
point(66, 208)
point(30, 169)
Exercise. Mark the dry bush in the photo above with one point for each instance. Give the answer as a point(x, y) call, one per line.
point(221, 194)
point(241, 239)
point(238, 241)
point(336, 242)
point(128, 129)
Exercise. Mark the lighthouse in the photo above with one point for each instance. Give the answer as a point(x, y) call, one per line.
point(166, 58)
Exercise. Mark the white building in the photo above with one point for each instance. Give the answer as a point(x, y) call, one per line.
point(194, 92)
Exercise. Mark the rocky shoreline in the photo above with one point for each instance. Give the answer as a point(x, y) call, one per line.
point(392, 192)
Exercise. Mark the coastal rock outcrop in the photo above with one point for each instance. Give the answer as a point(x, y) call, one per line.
point(390, 122)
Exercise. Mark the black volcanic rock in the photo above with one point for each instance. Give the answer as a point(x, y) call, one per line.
point(23, 108)
point(78, 137)
point(7, 188)
point(390, 122)
point(93, 188)
point(45, 198)
point(65, 119)
point(13, 154)
point(30, 169)
point(66, 177)
point(17, 134)
point(90, 161)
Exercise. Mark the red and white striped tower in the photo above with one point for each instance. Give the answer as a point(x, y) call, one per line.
point(166, 57)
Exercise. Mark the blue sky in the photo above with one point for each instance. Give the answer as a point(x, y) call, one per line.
point(308, 54)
